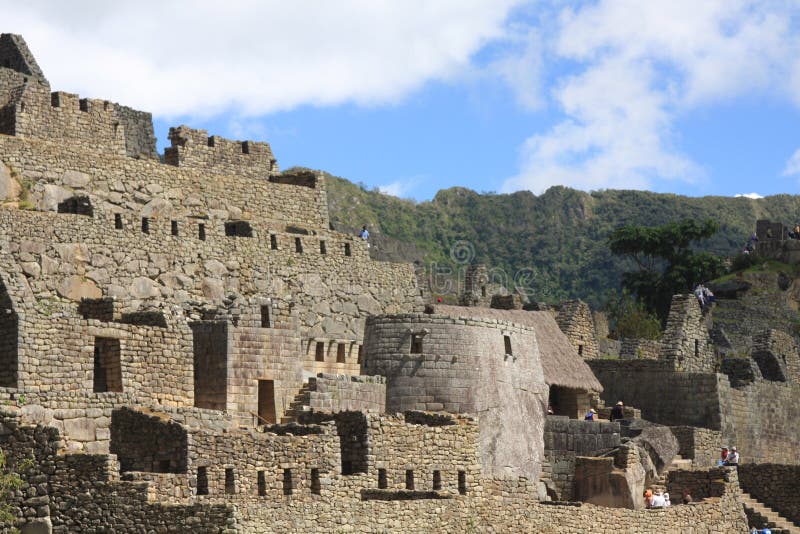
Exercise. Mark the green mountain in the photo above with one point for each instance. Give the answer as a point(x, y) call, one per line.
point(553, 244)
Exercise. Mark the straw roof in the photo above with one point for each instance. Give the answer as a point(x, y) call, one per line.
point(561, 363)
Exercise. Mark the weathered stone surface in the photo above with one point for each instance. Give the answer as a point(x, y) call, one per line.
point(77, 287)
point(51, 196)
point(10, 187)
point(76, 179)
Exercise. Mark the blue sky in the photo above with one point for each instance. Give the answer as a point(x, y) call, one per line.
point(695, 98)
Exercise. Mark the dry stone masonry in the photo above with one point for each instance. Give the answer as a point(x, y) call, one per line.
point(188, 346)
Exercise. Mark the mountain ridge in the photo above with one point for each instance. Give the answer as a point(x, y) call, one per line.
point(558, 237)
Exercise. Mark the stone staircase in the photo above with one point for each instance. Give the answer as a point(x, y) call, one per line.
point(301, 402)
point(760, 515)
point(678, 462)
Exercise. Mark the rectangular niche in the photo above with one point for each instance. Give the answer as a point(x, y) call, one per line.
point(107, 365)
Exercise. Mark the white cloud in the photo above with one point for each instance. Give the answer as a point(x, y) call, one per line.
point(202, 58)
point(629, 69)
point(754, 196)
point(400, 188)
point(793, 165)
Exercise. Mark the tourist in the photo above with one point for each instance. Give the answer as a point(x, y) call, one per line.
point(698, 292)
point(723, 455)
point(687, 497)
point(732, 459)
point(666, 499)
point(648, 498)
point(658, 500)
point(591, 415)
point(617, 412)
point(364, 234)
point(709, 296)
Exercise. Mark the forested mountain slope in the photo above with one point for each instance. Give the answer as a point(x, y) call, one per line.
point(559, 237)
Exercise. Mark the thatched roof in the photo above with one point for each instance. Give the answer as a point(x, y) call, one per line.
point(561, 363)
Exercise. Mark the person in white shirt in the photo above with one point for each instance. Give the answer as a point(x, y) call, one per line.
point(733, 457)
point(658, 501)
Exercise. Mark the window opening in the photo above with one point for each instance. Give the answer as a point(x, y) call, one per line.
point(262, 483)
point(230, 481)
point(462, 482)
point(288, 485)
point(382, 481)
point(202, 481)
point(416, 344)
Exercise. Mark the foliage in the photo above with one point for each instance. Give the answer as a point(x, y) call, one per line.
point(10, 482)
point(629, 318)
point(561, 235)
point(741, 262)
point(666, 263)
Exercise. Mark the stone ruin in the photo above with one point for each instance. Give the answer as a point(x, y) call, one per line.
point(188, 346)
point(774, 242)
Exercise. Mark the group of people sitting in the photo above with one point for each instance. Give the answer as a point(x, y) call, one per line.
point(658, 499)
point(728, 457)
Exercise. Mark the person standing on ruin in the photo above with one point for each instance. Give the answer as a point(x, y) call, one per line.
point(617, 412)
point(364, 234)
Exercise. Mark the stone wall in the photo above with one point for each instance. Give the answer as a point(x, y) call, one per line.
point(194, 148)
point(777, 486)
point(663, 396)
point(140, 139)
point(640, 349)
point(147, 441)
point(338, 393)
point(53, 497)
point(700, 483)
point(491, 368)
point(701, 445)
point(85, 492)
point(758, 418)
point(565, 439)
point(575, 320)
point(777, 356)
point(685, 344)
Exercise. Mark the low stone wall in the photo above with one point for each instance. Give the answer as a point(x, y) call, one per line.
point(338, 393)
point(510, 509)
point(83, 493)
point(700, 445)
point(639, 349)
point(148, 442)
point(565, 439)
point(777, 486)
point(700, 483)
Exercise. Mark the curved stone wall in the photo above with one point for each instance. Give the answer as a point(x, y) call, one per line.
point(464, 366)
